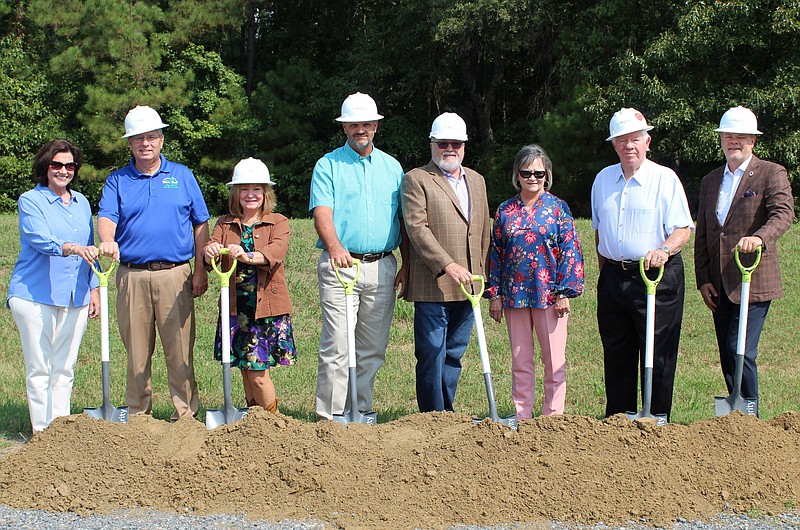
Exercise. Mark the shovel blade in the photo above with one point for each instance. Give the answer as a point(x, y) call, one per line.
point(350, 416)
point(109, 413)
point(725, 405)
point(510, 421)
point(218, 417)
point(660, 419)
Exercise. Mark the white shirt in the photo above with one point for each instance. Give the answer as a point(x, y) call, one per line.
point(635, 216)
point(730, 183)
point(460, 188)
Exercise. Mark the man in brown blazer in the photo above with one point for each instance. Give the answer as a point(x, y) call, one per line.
point(746, 203)
point(447, 219)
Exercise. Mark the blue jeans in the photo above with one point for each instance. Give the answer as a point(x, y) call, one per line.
point(441, 334)
point(726, 324)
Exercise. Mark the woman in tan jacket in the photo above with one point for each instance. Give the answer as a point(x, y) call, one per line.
point(261, 328)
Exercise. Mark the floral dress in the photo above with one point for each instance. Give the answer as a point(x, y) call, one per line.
point(535, 253)
point(256, 343)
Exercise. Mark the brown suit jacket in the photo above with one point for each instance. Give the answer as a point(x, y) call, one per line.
point(762, 206)
point(439, 232)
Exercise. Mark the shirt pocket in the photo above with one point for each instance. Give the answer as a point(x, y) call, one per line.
point(644, 220)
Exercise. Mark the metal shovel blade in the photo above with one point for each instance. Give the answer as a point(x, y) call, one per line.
point(725, 405)
point(228, 413)
point(509, 421)
point(351, 416)
point(107, 411)
point(660, 419)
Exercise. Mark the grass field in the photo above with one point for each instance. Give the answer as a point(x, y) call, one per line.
point(697, 382)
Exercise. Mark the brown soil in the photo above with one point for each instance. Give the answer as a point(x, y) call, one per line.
point(425, 470)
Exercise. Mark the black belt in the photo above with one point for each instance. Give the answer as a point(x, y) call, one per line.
point(155, 265)
point(626, 265)
point(370, 257)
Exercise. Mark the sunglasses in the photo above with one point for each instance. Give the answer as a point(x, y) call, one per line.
point(445, 145)
point(56, 166)
point(528, 174)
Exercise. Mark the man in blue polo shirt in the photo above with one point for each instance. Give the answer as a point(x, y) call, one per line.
point(355, 201)
point(153, 219)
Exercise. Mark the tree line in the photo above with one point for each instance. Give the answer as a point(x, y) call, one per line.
point(238, 78)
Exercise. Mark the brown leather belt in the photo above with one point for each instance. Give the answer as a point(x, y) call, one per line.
point(155, 265)
point(370, 257)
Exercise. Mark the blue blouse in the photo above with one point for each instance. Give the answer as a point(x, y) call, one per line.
point(42, 274)
point(535, 253)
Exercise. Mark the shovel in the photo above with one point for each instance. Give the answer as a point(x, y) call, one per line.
point(352, 414)
point(228, 414)
point(735, 401)
point(650, 332)
point(487, 368)
point(106, 411)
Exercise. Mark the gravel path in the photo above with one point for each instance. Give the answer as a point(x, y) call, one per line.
point(142, 520)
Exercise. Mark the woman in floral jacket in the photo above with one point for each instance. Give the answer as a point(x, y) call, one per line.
point(535, 267)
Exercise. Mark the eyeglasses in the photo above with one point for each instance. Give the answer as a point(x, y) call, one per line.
point(56, 166)
point(151, 138)
point(528, 174)
point(445, 145)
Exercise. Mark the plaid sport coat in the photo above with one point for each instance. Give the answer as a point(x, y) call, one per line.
point(439, 233)
point(762, 206)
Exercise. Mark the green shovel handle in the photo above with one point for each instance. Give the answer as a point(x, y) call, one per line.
point(224, 277)
point(102, 276)
point(747, 272)
point(651, 284)
point(349, 287)
point(474, 299)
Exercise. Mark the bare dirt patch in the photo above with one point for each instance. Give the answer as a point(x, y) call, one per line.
point(424, 470)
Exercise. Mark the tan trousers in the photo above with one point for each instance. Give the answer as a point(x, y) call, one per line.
point(374, 300)
point(161, 300)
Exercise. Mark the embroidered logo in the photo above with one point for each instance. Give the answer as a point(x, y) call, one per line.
point(170, 182)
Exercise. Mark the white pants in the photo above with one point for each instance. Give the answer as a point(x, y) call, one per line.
point(374, 307)
point(51, 337)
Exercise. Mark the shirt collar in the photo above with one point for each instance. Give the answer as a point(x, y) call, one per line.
point(354, 154)
point(739, 170)
point(453, 176)
point(52, 197)
point(163, 168)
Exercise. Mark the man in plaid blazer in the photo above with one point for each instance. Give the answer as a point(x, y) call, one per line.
point(447, 219)
point(746, 203)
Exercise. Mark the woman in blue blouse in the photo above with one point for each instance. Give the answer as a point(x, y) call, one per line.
point(53, 289)
point(535, 267)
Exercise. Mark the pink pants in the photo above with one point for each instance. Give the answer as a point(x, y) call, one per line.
point(551, 333)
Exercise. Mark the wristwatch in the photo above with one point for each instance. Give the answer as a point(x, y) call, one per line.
point(666, 249)
point(250, 257)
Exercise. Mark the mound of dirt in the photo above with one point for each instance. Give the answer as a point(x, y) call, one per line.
point(424, 470)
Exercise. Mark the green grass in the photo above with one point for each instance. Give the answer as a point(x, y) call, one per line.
point(697, 382)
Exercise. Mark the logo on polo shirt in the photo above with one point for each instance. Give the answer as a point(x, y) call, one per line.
point(170, 182)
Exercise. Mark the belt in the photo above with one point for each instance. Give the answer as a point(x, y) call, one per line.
point(370, 257)
point(626, 265)
point(155, 265)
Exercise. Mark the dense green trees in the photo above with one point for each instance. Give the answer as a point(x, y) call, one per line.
point(237, 78)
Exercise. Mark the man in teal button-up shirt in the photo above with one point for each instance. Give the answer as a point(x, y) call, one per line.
point(355, 201)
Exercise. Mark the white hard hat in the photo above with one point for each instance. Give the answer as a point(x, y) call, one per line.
point(142, 119)
point(359, 107)
point(449, 126)
point(739, 120)
point(250, 171)
point(626, 121)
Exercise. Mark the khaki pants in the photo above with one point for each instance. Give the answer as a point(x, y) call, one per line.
point(158, 300)
point(374, 300)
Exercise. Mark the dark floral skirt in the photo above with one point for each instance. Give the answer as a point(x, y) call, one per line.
point(259, 343)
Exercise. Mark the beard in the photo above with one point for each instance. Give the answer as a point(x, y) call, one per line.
point(451, 164)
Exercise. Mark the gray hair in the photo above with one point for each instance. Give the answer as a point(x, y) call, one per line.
point(527, 156)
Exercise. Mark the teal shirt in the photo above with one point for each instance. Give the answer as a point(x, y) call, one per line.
point(364, 193)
